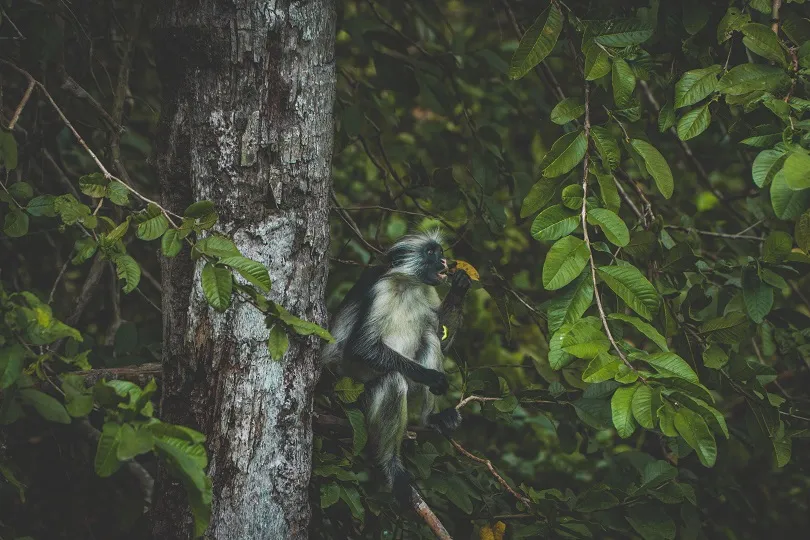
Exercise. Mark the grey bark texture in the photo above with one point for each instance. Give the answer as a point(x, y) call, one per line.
point(246, 123)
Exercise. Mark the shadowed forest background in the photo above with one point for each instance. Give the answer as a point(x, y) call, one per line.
point(644, 377)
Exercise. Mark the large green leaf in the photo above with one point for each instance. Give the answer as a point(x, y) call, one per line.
point(747, 78)
point(758, 295)
point(621, 406)
point(643, 327)
point(787, 203)
point(537, 42)
point(694, 123)
point(278, 342)
point(553, 223)
point(557, 357)
point(766, 165)
point(359, 434)
point(11, 364)
point(694, 430)
point(170, 243)
point(630, 285)
point(15, 223)
point(106, 461)
point(696, 85)
point(566, 157)
point(729, 329)
point(656, 166)
point(611, 224)
point(606, 146)
point(666, 117)
point(572, 304)
point(217, 285)
point(134, 442)
point(253, 271)
point(602, 368)
point(538, 196)
point(624, 82)
point(585, 339)
point(128, 270)
point(622, 32)
point(567, 110)
point(651, 522)
point(48, 407)
point(763, 41)
point(671, 365)
point(642, 407)
point(564, 262)
point(597, 60)
point(153, 228)
point(609, 192)
point(732, 21)
point(797, 170)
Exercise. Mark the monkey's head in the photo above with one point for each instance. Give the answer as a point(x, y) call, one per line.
point(420, 256)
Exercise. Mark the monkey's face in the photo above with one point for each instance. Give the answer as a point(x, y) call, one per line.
point(434, 265)
point(419, 257)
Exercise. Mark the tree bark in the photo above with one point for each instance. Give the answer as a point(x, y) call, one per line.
point(247, 123)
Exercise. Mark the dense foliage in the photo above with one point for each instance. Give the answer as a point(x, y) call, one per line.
point(630, 179)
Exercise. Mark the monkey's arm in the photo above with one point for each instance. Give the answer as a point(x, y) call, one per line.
point(380, 357)
point(450, 310)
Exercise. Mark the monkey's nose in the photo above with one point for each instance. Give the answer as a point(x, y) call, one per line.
point(444, 262)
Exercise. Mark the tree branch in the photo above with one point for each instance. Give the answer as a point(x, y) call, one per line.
point(21, 106)
point(488, 464)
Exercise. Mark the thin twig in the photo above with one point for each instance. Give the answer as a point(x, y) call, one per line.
point(775, 5)
point(480, 399)
point(430, 518)
point(352, 225)
point(385, 208)
point(58, 279)
point(630, 203)
point(18, 111)
point(492, 470)
point(735, 236)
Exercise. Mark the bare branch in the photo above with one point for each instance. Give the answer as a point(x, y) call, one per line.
point(21, 106)
point(488, 464)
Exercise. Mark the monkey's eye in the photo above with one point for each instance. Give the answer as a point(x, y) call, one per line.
point(431, 251)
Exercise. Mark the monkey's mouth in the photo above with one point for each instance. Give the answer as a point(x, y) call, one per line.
point(442, 274)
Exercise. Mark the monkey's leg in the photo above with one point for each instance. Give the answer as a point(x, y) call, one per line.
point(387, 417)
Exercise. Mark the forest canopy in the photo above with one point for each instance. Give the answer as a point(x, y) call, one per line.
point(630, 181)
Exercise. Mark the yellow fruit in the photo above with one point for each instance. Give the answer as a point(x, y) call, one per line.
point(467, 267)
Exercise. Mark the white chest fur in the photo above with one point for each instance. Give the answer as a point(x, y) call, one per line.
point(406, 313)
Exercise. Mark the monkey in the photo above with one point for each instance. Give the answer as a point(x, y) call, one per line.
point(389, 333)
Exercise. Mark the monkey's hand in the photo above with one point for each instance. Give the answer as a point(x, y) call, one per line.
point(446, 421)
point(460, 282)
point(436, 381)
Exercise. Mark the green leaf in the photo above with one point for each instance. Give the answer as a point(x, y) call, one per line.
point(714, 357)
point(609, 193)
point(671, 365)
point(557, 357)
point(216, 246)
point(11, 364)
point(41, 205)
point(631, 286)
point(571, 197)
point(153, 228)
point(747, 78)
point(94, 185)
point(564, 262)
point(119, 231)
point(567, 157)
point(643, 327)
point(656, 166)
point(712, 416)
point(347, 390)
point(134, 442)
point(253, 271)
point(666, 117)
point(47, 407)
point(128, 270)
point(118, 193)
point(15, 224)
point(593, 501)
point(351, 497)
point(585, 339)
point(597, 60)
point(569, 306)
point(8, 150)
point(729, 329)
point(278, 343)
point(567, 110)
point(732, 21)
point(553, 223)
point(359, 435)
point(612, 225)
point(624, 82)
point(778, 246)
point(538, 196)
point(642, 407)
point(694, 430)
point(170, 243)
point(694, 123)
point(651, 522)
point(302, 327)
point(802, 232)
point(758, 296)
point(602, 368)
point(186, 461)
point(761, 40)
point(106, 461)
point(666, 420)
point(607, 147)
point(766, 165)
point(797, 170)
point(623, 32)
point(787, 203)
point(621, 409)
point(537, 42)
point(330, 494)
point(217, 285)
point(21, 191)
point(199, 209)
point(83, 250)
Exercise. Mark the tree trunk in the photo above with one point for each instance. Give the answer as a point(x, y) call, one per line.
point(247, 123)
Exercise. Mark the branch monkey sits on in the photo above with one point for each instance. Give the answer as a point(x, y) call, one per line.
point(388, 334)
